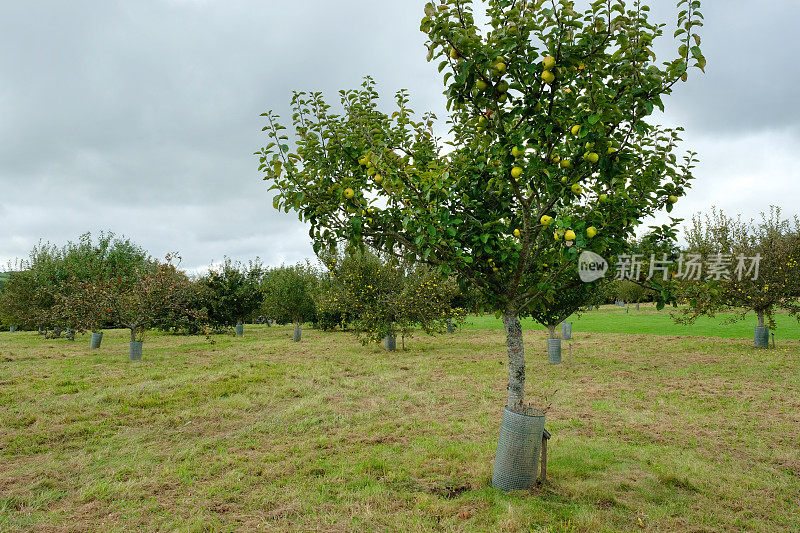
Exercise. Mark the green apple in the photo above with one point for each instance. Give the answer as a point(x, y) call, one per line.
point(454, 54)
point(591, 157)
point(548, 77)
point(481, 85)
point(591, 231)
point(672, 199)
point(518, 151)
point(565, 163)
point(549, 62)
point(502, 86)
point(577, 189)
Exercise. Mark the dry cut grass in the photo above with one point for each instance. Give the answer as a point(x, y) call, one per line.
point(649, 433)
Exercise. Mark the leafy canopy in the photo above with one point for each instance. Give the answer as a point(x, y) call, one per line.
point(549, 135)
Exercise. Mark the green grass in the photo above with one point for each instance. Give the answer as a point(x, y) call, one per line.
point(660, 433)
point(613, 319)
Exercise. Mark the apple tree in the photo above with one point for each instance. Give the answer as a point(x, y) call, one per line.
point(289, 294)
point(550, 149)
point(383, 297)
point(233, 291)
point(743, 284)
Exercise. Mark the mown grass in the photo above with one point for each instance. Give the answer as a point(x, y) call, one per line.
point(648, 320)
point(653, 433)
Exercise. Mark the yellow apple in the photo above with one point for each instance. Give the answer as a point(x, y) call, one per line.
point(591, 157)
point(569, 235)
point(546, 220)
point(577, 189)
point(454, 54)
point(576, 129)
point(349, 193)
point(517, 233)
point(549, 62)
point(500, 68)
point(516, 172)
point(548, 77)
point(555, 158)
point(378, 178)
point(591, 231)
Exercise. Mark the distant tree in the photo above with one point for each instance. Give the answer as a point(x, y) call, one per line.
point(139, 300)
point(91, 269)
point(18, 300)
point(386, 297)
point(289, 294)
point(628, 291)
point(733, 281)
point(53, 272)
point(191, 320)
point(233, 291)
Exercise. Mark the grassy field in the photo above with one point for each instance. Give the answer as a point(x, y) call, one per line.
point(647, 320)
point(649, 433)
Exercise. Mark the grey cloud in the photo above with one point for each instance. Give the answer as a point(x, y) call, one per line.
point(142, 117)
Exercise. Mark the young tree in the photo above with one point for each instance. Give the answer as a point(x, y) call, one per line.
point(570, 297)
point(52, 273)
point(757, 263)
point(78, 298)
point(233, 292)
point(137, 301)
point(387, 298)
point(18, 300)
point(549, 132)
point(289, 295)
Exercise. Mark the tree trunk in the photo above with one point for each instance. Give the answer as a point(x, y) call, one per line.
point(133, 334)
point(552, 331)
point(516, 361)
point(760, 318)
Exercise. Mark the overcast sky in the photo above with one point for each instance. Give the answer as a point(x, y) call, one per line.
point(142, 116)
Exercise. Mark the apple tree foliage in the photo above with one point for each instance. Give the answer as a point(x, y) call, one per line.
point(52, 273)
point(232, 291)
point(381, 297)
point(550, 133)
point(289, 293)
point(739, 284)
